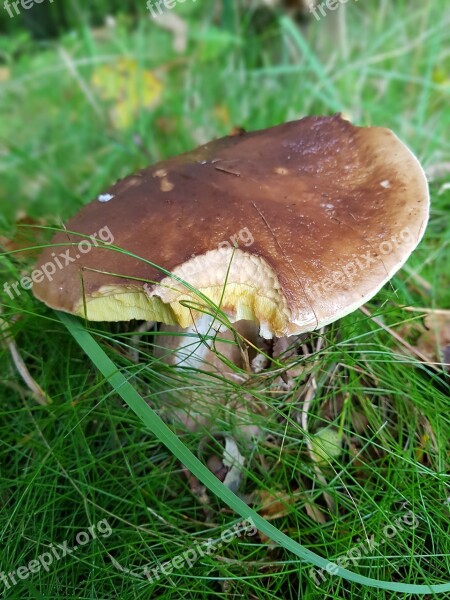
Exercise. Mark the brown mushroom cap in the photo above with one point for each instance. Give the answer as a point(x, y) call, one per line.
point(323, 213)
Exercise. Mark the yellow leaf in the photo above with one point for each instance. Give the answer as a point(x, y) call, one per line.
point(128, 88)
point(440, 77)
point(222, 114)
point(5, 74)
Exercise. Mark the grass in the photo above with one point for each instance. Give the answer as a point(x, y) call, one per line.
point(86, 456)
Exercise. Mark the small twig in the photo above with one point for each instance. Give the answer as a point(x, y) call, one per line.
point(428, 311)
point(225, 170)
point(38, 393)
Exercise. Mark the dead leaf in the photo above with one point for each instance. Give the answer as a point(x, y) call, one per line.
point(360, 422)
point(28, 233)
point(216, 466)
point(313, 511)
point(273, 505)
point(434, 342)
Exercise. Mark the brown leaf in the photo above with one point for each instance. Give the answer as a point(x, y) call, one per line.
point(313, 511)
point(434, 342)
point(273, 505)
point(28, 234)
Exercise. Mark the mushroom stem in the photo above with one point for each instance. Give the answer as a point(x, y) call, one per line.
point(196, 347)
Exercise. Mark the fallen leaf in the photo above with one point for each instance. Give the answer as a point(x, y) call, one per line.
point(216, 466)
point(27, 235)
point(326, 444)
point(434, 342)
point(222, 114)
point(273, 505)
point(313, 511)
point(128, 87)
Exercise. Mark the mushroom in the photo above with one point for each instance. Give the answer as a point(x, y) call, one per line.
point(329, 211)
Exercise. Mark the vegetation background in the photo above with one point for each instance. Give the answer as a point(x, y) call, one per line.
point(90, 92)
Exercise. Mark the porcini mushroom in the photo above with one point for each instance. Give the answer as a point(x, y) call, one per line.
point(333, 211)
